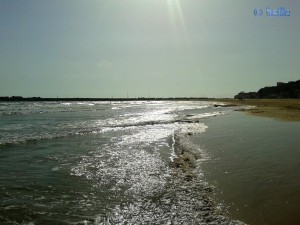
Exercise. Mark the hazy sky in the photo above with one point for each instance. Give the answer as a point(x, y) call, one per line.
point(157, 48)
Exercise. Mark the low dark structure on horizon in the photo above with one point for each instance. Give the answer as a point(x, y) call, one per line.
point(24, 99)
point(282, 90)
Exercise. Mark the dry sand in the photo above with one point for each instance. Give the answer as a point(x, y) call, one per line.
point(281, 109)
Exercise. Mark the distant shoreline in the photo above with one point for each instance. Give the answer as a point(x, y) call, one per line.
point(28, 99)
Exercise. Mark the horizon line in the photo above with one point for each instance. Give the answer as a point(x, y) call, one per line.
point(20, 98)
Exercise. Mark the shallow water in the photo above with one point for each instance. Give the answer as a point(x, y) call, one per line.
point(255, 166)
point(103, 163)
point(116, 163)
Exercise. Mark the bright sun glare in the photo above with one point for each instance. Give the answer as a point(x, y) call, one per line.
point(176, 17)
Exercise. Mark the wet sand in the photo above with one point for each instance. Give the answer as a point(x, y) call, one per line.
point(281, 109)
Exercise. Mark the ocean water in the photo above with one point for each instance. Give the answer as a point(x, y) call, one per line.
point(117, 163)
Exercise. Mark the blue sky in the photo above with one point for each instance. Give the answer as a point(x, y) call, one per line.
point(157, 48)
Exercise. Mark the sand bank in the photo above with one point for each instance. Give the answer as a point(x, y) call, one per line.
point(281, 109)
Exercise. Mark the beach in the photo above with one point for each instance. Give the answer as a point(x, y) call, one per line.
point(281, 109)
point(254, 167)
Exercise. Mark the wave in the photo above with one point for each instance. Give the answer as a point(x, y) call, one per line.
point(31, 139)
point(108, 125)
point(29, 108)
point(32, 112)
point(184, 199)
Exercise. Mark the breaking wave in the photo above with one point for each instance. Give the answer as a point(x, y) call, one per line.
point(59, 130)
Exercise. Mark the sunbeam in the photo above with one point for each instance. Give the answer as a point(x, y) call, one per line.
point(176, 18)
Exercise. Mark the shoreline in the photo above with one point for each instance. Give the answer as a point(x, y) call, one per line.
point(42, 99)
point(280, 109)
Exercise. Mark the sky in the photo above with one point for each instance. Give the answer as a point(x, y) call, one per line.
point(145, 48)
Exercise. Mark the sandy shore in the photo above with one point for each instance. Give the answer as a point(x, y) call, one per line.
point(281, 109)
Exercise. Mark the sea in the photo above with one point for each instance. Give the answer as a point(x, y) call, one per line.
point(146, 162)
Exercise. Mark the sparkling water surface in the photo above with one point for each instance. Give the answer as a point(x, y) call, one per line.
point(114, 163)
